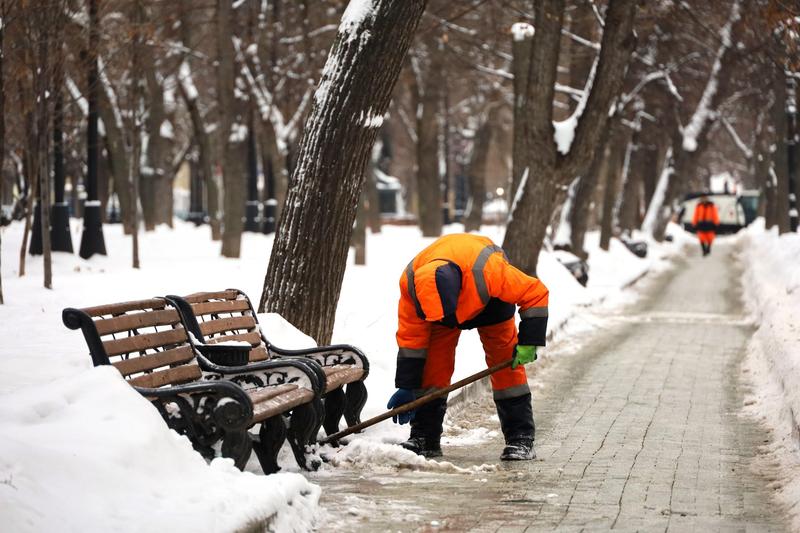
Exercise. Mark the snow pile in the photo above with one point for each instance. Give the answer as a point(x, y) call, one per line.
point(772, 292)
point(89, 452)
point(364, 454)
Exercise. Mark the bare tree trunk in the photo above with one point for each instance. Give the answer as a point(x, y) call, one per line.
point(613, 170)
point(477, 170)
point(29, 169)
point(584, 194)
point(359, 238)
point(429, 180)
point(309, 254)
point(118, 156)
point(233, 134)
point(626, 209)
point(2, 128)
point(136, 109)
point(43, 149)
point(781, 155)
point(552, 171)
point(202, 138)
point(521, 49)
point(373, 202)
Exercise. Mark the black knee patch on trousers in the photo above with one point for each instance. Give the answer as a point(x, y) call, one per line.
point(516, 417)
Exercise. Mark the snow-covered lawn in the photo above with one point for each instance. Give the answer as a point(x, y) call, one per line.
point(81, 450)
point(772, 368)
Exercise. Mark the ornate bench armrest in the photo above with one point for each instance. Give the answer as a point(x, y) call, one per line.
point(202, 409)
point(305, 374)
point(336, 354)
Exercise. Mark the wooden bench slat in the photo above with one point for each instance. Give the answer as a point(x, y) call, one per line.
point(265, 393)
point(138, 343)
point(221, 325)
point(124, 307)
point(221, 306)
point(136, 321)
point(171, 376)
point(347, 374)
point(126, 367)
point(253, 337)
point(259, 353)
point(205, 296)
point(281, 404)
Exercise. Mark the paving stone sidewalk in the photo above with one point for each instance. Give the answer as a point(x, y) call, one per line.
point(640, 430)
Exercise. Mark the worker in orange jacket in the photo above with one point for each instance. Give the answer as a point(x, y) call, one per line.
point(705, 222)
point(465, 281)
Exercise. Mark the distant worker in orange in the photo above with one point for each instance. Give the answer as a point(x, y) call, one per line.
point(464, 281)
point(705, 222)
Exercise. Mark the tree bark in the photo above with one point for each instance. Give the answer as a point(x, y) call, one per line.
point(781, 153)
point(477, 169)
point(309, 254)
point(359, 238)
point(2, 129)
point(202, 138)
point(581, 207)
point(233, 134)
point(627, 210)
point(373, 202)
point(551, 170)
point(43, 87)
point(521, 51)
point(118, 156)
point(613, 170)
point(429, 180)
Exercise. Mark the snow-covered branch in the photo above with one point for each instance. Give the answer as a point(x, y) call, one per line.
point(580, 40)
point(746, 151)
point(703, 113)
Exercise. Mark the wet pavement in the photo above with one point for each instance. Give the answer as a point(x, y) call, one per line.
point(639, 429)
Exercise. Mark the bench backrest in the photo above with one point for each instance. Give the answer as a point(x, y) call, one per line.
point(144, 340)
point(226, 316)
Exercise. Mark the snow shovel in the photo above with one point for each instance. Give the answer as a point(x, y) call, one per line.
point(422, 400)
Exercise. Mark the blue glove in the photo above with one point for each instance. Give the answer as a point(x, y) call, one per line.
point(401, 397)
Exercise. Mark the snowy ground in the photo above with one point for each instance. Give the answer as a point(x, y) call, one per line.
point(72, 431)
point(772, 290)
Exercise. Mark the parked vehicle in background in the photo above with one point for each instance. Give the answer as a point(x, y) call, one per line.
point(735, 210)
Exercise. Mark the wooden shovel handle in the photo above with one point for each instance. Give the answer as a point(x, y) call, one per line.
point(438, 393)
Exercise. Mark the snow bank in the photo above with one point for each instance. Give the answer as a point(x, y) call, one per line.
point(89, 453)
point(772, 292)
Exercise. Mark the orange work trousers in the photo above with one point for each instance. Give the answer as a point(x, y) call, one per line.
point(498, 342)
point(706, 237)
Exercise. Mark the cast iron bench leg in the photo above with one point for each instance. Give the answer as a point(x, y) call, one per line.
point(334, 408)
point(271, 437)
point(356, 395)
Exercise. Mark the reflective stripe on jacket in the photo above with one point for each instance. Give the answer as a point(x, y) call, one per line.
point(486, 277)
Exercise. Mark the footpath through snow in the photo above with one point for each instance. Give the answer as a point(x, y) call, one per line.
point(81, 449)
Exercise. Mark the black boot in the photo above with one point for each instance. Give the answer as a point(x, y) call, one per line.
point(426, 429)
point(423, 446)
point(518, 450)
point(516, 421)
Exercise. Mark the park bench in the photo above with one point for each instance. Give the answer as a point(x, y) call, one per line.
point(228, 316)
point(211, 404)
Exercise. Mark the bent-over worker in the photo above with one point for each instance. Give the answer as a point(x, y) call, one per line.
point(464, 281)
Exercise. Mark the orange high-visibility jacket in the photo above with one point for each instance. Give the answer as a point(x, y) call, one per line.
point(706, 217)
point(464, 281)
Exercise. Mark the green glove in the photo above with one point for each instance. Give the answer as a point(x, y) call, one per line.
point(523, 355)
